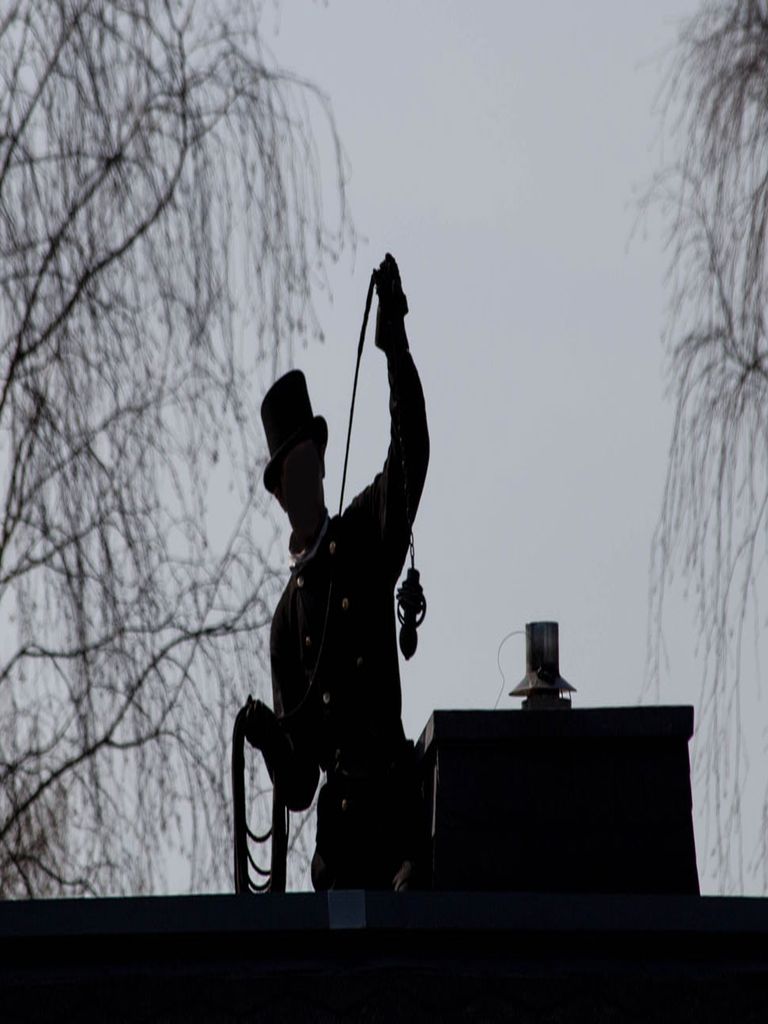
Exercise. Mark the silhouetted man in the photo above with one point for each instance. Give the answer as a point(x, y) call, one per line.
point(335, 676)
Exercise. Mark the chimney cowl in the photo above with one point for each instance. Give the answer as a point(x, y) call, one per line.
point(542, 685)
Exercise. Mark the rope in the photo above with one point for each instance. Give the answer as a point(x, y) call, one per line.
point(363, 328)
point(274, 878)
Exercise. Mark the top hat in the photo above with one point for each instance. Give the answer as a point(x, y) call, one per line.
point(286, 413)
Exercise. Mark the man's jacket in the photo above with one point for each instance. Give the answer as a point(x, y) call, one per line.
point(335, 677)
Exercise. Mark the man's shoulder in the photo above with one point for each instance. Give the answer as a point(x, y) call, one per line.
point(360, 517)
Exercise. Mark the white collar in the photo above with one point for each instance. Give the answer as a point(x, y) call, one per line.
point(298, 559)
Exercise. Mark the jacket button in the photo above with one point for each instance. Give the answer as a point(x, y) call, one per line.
point(332, 547)
point(360, 662)
point(299, 581)
point(345, 603)
point(344, 804)
point(326, 697)
point(307, 640)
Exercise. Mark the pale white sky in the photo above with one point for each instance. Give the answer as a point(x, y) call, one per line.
point(496, 149)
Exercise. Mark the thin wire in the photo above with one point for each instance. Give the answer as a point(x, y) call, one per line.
point(515, 632)
point(294, 711)
point(368, 299)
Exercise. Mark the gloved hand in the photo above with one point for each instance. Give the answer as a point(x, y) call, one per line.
point(262, 730)
point(393, 305)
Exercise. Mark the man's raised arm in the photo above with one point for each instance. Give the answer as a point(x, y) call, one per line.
point(393, 497)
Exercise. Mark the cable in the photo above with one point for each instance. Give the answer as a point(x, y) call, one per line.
point(274, 878)
point(515, 632)
point(363, 328)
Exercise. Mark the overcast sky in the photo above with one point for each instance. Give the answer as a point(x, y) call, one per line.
point(497, 149)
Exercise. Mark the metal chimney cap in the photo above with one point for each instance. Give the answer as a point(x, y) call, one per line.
point(542, 683)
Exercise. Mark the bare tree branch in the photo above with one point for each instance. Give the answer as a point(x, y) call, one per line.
point(713, 523)
point(161, 229)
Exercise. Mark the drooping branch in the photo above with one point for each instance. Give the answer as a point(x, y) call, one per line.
point(161, 224)
point(714, 517)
